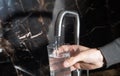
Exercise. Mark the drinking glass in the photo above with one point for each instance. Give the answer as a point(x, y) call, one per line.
point(56, 60)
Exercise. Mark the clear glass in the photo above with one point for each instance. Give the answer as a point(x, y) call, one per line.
point(56, 60)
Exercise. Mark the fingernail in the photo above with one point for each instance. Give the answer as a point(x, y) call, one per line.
point(66, 64)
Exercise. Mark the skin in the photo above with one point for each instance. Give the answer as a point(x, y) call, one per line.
point(82, 57)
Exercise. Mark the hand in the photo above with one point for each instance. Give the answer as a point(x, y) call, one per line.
point(82, 57)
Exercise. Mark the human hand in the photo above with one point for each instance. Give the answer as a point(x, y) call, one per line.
point(82, 57)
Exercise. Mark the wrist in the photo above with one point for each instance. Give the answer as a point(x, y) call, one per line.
point(103, 58)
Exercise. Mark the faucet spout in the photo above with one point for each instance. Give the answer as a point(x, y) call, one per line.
point(61, 16)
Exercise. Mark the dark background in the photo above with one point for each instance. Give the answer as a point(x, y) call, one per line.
point(99, 25)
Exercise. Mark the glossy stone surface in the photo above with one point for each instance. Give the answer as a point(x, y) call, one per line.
point(29, 26)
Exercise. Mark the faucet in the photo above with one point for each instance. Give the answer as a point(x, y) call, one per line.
point(59, 28)
point(59, 22)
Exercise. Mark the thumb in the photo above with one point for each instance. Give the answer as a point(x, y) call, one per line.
point(69, 62)
point(72, 60)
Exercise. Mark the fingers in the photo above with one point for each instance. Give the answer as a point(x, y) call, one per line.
point(83, 48)
point(73, 60)
point(83, 66)
point(88, 66)
point(66, 48)
point(75, 67)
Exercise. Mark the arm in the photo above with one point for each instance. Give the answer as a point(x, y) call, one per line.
point(111, 52)
point(91, 58)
